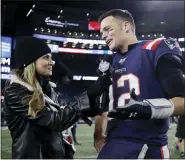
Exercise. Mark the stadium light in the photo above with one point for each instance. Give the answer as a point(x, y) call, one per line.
point(83, 51)
point(83, 41)
point(48, 41)
point(83, 45)
point(181, 39)
point(91, 78)
point(91, 46)
point(84, 78)
point(74, 45)
point(29, 12)
point(86, 41)
point(99, 46)
point(77, 78)
point(182, 49)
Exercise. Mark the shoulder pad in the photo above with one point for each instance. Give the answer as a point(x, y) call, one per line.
point(162, 43)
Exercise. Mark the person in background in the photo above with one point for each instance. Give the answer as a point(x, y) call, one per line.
point(68, 144)
point(180, 136)
point(2, 116)
point(73, 130)
point(67, 138)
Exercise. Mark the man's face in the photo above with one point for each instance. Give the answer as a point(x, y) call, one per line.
point(113, 32)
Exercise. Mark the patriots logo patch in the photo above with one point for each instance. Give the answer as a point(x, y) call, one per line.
point(172, 43)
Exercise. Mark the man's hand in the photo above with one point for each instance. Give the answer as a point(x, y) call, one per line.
point(147, 109)
point(179, 105)
point(99, 130)
point(99, 141)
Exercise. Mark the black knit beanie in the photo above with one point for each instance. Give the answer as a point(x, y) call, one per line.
point(29, 49)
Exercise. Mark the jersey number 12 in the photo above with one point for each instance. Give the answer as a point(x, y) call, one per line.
point(133, 82)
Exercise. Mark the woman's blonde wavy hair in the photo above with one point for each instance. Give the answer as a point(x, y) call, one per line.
point(36, 100)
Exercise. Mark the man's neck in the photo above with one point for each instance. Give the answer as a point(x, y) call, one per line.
point(132, 40)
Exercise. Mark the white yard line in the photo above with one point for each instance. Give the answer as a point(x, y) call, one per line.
point(4, 128)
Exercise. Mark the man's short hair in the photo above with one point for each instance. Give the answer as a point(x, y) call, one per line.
point(118, 13)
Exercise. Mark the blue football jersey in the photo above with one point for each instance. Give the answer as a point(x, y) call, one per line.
point(136, 69)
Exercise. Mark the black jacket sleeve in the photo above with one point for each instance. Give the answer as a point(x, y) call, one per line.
point(100, 90)
point(171, 77)
point(57, 120)
point(52, 116)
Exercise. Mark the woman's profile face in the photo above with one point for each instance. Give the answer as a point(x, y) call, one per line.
point(44, 65)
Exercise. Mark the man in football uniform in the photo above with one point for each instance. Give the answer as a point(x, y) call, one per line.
point(148, 86)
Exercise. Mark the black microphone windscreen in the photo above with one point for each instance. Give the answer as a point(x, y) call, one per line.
point(108, 58)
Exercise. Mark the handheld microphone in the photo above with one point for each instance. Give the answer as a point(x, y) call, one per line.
point(105, 66)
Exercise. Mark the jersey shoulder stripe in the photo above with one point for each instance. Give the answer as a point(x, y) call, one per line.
point(152, 44)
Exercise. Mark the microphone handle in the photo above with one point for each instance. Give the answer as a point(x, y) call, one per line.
point(103, 99)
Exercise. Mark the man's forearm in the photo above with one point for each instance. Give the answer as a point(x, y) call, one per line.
point(101, 123)
point(179, 105)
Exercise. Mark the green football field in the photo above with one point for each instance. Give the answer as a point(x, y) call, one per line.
point(84, 136)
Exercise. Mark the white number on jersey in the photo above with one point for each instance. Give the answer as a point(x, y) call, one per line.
point(133, 82)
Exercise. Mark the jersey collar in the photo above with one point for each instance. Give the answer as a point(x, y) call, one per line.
point(131, 46)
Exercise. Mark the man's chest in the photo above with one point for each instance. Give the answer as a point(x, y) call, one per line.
point(129, 72)
point(126, 68)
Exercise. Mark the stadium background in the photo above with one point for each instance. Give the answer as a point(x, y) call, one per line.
point(72, 32)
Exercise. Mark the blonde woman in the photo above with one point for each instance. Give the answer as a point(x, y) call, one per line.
point(35, 120)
